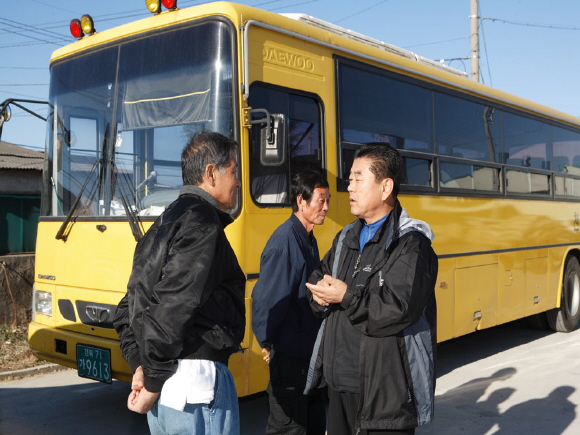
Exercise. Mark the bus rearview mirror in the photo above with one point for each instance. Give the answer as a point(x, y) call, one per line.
point(273, 136)
point(273, 141)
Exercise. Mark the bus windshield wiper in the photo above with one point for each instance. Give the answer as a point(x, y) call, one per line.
point(132, 217)
point(65, 228)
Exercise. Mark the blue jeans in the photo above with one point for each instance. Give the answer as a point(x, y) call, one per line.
point(221, 416)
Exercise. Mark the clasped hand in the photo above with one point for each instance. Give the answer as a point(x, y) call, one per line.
point(140, 400)
point(328, 290)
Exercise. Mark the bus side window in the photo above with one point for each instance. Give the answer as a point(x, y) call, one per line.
point(270, 185)
point(374, 107)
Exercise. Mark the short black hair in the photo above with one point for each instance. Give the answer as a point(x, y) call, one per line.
point(386, 162)
point(206, 148)
point(304, 184)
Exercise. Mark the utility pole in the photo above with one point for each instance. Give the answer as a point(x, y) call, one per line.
point(474, 18)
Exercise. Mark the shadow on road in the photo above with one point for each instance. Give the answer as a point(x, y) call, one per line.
point(92, 408)
point(482, 344)
point(488, 405)
point(87, 408)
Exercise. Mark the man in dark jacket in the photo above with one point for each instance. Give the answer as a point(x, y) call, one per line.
point(375, 289)
point(184, 313)
point(282, 320)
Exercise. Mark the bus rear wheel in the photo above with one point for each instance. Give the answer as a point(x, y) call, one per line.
point(566, 318)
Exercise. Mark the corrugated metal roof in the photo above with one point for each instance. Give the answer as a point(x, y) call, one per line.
point(16, 157)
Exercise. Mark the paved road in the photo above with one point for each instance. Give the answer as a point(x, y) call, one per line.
point(508, 380)
point(61, 403)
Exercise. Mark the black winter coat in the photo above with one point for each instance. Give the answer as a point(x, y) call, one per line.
point(387, 318)
point(185, 297)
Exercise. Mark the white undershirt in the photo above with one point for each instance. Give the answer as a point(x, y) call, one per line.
point(193, 382)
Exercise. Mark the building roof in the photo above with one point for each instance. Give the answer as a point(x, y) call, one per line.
point(16, 157)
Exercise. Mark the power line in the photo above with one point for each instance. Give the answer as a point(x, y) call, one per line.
point(14, 94)
point(23, 67)
point(267, 3)
point(360, 12)
point(293, 5)
point(28, 28)
point(485, 49)
point(519, 23)
point(25, 44)
point(436, 42)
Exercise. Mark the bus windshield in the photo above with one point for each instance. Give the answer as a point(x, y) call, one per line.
point(122, 115)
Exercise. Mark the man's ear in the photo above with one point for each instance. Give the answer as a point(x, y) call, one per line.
point(209, 174)
point(388, 187)
point(299, 202)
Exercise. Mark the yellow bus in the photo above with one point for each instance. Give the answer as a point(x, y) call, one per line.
point(497, 177)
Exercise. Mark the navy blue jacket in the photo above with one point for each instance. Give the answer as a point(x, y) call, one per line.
point(281, 314)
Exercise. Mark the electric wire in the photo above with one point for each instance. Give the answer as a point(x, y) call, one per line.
point(360, 12)
point(293, 5)
point(485, 50)
point(519, 23)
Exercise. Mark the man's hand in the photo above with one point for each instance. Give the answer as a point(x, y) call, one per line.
point(140, 400)
point(138, 381)
point(328, 290)
point(266, 352)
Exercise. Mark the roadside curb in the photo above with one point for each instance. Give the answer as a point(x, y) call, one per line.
point(32, 371)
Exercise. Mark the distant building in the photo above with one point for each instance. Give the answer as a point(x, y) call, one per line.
point(20, 188)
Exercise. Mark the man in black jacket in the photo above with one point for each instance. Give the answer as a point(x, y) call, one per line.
point(184, 312)
point(281, 316)
point(375, 290)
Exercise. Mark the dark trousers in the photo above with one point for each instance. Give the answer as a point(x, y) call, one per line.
point(342, 416)
point(292, 412)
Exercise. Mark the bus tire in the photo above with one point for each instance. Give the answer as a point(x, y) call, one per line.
point(566, 318)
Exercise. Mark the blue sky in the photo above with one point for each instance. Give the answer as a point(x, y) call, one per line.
point(528, 47)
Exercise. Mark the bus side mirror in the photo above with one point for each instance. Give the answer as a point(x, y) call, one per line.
point(273, 144)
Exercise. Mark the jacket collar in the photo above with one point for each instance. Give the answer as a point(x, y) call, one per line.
point(198, 191)
point(387, 230)
point(397, 224)
point(299, 228)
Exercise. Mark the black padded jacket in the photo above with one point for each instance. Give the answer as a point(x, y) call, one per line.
point(380, 341)
point(185, 296)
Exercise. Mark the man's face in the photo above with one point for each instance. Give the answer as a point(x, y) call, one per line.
point(315, 211)
point(367, 196)
point(227, 184)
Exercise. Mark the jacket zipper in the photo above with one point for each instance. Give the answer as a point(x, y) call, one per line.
point(356, 266)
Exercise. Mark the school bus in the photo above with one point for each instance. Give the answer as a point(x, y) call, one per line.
point(496, 176)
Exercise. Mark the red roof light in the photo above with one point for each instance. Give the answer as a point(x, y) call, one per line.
point(76, 29)
point(169, 4)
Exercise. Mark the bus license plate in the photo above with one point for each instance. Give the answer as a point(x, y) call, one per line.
point(94, 363)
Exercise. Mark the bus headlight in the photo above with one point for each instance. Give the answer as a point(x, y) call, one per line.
point(41, 303)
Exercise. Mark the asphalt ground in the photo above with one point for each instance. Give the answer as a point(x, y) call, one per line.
point(507, 380)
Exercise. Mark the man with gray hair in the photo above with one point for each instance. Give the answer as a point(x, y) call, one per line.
point(184, 312)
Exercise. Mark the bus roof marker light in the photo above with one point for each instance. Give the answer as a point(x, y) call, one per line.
point(87, 24)
point(169, 4)
point(76, 29)
point(154, 6)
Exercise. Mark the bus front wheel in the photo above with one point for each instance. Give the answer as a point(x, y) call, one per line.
point(566, 318)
